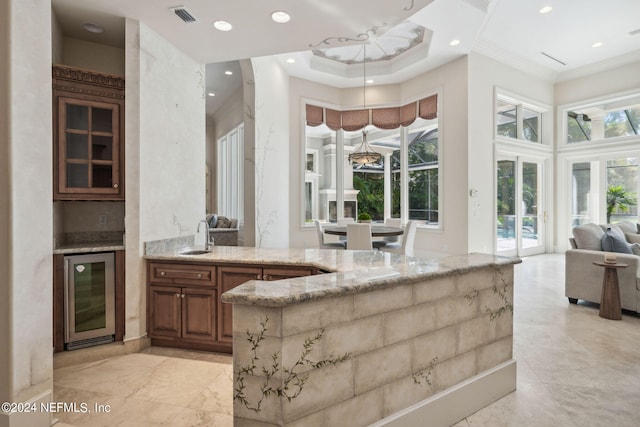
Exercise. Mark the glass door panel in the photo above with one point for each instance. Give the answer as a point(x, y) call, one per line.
point(506, 206)
point(530, 237)
point(519, 212)
point(89, 296)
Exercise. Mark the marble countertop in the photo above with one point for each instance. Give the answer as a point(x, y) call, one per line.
point(350, 272)
point(88, 247)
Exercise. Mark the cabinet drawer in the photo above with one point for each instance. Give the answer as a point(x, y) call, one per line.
point(179, 273)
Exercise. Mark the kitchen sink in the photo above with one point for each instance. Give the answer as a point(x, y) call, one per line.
point(194, 252)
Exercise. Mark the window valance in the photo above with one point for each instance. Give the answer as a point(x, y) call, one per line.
point(383, 118)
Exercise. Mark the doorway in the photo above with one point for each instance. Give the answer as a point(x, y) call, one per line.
point(519, 206)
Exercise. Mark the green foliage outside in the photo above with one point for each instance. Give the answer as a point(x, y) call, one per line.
point(618, 199)
point(371, 196)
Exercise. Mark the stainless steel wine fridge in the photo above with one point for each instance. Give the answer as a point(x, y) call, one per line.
point(89, 289)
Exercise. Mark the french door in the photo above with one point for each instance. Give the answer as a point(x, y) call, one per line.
point(520, 212)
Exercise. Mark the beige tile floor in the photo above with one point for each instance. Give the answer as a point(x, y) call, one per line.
point(574, 369)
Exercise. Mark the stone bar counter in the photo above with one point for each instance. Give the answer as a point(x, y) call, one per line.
point(377, 339)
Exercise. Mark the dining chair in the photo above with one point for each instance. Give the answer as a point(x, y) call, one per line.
point(406, 246)
point(359, 237)
point(321, 242)
point(342, 222)
point(392, 222)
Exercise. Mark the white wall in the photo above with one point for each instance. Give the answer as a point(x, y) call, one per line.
point(92, 56)
point(26, 358)
point(604, 84)
point(271, 153)
point(485, 74)
point(302, 237)
point(165, 153)
point(452, 81)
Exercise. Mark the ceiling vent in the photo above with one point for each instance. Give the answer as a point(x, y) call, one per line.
point(552, 58)
point(183, 14)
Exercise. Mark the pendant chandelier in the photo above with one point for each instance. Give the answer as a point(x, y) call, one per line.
point(364, 154)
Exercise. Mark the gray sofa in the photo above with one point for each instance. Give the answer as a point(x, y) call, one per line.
point(583, 279)
point(223, 231)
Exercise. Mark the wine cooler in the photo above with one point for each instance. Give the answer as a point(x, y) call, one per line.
point(89, 289)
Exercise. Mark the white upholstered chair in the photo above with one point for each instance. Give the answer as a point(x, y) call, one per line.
point(406, 246)
point(359, 237)
point(392, 222)
point(321, 243)
point(342, 222)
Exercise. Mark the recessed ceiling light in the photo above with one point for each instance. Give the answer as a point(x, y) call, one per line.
point(223, 25)
point(546, 9)
point(280, 17)
point(228, 72)
point(596, 44)
point(291, 60)
point(93, 28)
point(455, 42)
point(369, 81)
point(211, 94)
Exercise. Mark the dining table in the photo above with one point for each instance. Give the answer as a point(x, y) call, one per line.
point(376, 230)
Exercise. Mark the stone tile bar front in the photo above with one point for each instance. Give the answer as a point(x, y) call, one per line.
point(382, 340)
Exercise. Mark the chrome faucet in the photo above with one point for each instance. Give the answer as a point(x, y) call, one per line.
point(206, 237)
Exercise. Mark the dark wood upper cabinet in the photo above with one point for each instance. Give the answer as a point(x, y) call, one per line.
point(88, 135)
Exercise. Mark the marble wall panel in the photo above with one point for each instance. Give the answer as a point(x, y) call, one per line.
point(495, 353)
point(379, 367)
point(381, 301)
point(431, 290)
point(400, 325)
point(325, 387)
point(316, 314)
point(454, 370)
point(361, 410)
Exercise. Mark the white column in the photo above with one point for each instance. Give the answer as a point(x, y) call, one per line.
point(340, 174)
point(404, 174)
point(387, 185)
point(597, 127)
point(26, 210)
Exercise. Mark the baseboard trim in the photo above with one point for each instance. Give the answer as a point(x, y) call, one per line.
point(458, 402)
point(99, 352)
point(36, 418)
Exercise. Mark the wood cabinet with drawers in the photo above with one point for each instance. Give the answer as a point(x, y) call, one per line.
point(183, 300)
point(231, 276)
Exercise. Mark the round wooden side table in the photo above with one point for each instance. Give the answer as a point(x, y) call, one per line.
point(610, 297)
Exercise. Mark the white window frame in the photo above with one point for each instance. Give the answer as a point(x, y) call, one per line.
point(521, 102)
point(591, 102)
point(404, 184)
point(230, 174)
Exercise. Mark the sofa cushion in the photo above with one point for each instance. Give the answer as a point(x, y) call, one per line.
point(632, 237)
point(223, 222)
point(213, 220)
point(588, 236)
point(628, 227)
point(612, 242)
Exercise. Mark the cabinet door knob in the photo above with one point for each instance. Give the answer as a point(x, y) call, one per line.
point(181, 295)
point(265, 277)
point(259, 277)
point(199, 275)
point(177, 295)
point(115, 185)
point(162, 273)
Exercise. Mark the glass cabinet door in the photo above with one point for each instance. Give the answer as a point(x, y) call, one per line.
point(88, 147)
